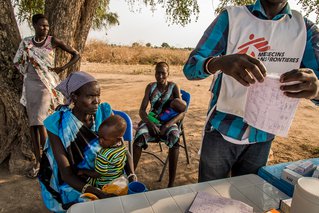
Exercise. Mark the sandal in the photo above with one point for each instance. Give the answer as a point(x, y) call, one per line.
point(33, 173)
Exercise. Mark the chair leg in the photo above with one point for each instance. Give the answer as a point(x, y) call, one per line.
point(154, 155)
point(185, 144)
point(163, 170)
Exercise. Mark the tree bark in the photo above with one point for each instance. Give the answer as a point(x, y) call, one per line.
point(14, 131)
point(70, 21)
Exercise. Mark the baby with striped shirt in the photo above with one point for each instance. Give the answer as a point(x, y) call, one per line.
point(111, 159)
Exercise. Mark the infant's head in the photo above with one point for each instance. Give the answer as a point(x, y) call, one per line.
point(178, 105)
point(111, 131)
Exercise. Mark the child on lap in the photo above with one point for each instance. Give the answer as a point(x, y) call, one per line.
point(176, 106)
point(111, 159)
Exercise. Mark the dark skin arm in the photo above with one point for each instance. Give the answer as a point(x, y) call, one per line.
point(129, 167)
point(63, 46)
point(89, 173)
point(176, 94)
point(65, 169)
point(245, 68)
point(242, 67)
point(154, 130)
point(307, 88)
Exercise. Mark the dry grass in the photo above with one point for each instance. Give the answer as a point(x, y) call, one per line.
point(100, 52)
point(138, 69)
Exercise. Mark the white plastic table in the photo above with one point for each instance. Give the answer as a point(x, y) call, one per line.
point(250, 189)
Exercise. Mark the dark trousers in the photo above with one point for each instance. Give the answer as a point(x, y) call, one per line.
point(220, 158)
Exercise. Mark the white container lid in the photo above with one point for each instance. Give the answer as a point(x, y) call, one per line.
point(309, 187)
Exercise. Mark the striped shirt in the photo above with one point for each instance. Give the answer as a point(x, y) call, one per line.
point(110, 163)
point(214, 43)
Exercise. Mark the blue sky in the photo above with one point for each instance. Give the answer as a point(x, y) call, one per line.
point(146, 26)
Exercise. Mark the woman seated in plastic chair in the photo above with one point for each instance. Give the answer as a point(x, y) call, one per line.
point(72, 143)
point(160, 124)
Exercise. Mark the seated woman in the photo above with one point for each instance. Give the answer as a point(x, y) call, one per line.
point(72, 142)
point(162, 95)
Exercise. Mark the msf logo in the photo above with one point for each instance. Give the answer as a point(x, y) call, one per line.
point(254, 46)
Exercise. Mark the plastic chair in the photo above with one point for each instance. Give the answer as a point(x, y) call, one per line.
point(186, 97)
point(128, 135)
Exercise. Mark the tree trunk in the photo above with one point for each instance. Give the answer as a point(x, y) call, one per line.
point(70, 21)
point(14, 131)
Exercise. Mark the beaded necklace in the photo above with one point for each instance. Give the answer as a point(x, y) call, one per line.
point(38, 42)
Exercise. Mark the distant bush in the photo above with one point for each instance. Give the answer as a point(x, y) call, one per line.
point(99, 52)
point(188, 48)
point(165, 45)
point(136, 44)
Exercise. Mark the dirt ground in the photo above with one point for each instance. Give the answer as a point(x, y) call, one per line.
point(123, 87)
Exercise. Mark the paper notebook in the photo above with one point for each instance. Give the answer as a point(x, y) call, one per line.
point(205, 202)
point(268, 109)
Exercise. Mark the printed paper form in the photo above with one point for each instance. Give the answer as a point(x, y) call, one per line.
point(268, 109)
point(205, 202)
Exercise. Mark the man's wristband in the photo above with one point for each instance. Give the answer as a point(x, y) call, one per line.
point(207, 63)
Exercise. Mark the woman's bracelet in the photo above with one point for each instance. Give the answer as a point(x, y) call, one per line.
point(132, 174)
point(85, 187)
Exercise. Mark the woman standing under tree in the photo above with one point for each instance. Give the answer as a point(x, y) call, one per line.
point(35, 60)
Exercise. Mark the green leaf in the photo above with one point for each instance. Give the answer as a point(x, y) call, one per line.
point(27, 8)
point(103, 18)
point(177, 11)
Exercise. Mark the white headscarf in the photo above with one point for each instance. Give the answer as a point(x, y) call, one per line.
point(73, 82)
